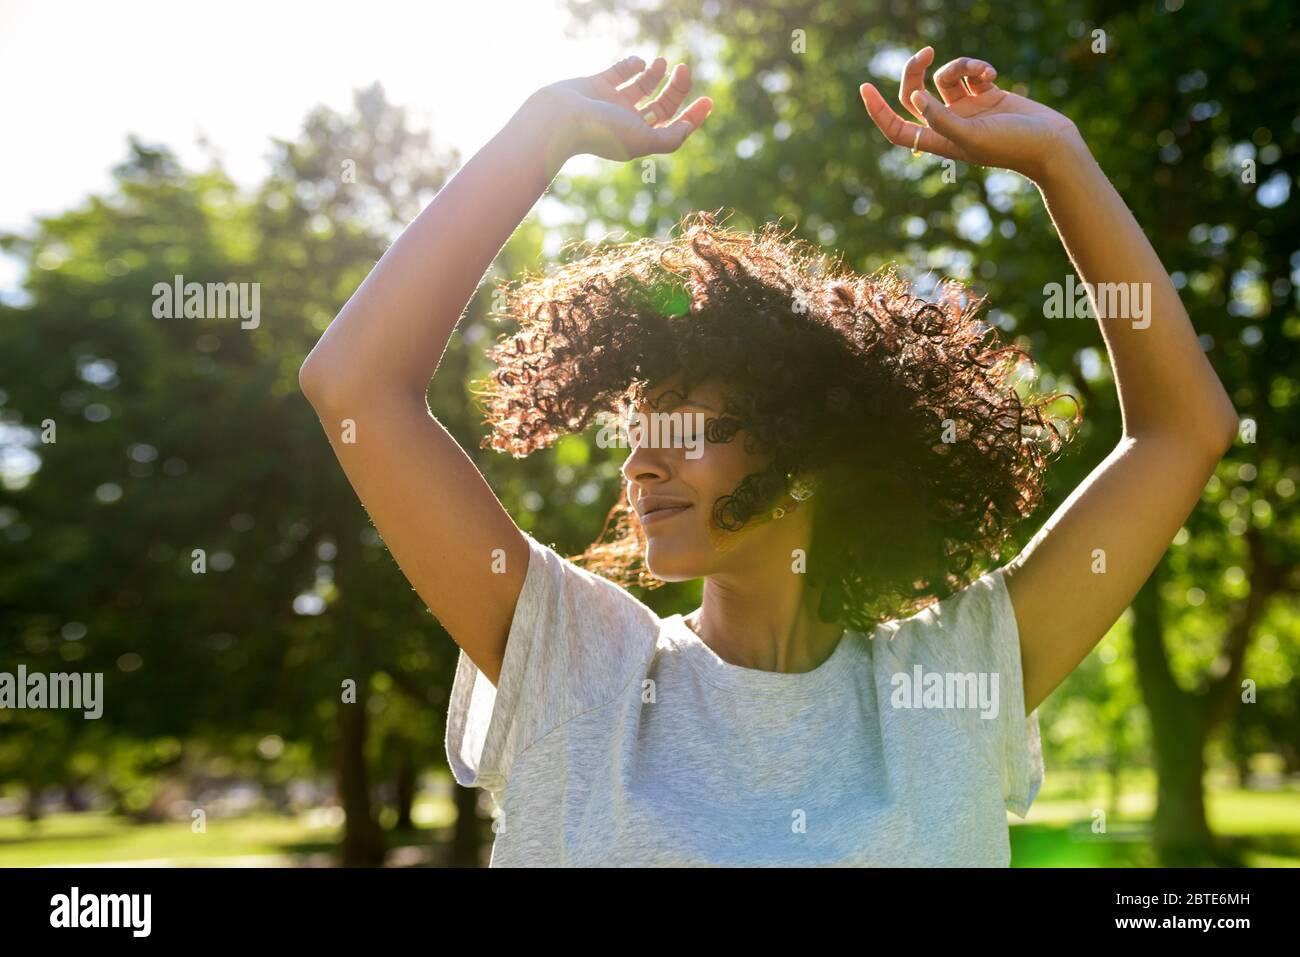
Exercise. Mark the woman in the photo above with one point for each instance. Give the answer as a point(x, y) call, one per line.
point(846, 460)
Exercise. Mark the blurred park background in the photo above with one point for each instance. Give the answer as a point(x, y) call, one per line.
point(224, 737)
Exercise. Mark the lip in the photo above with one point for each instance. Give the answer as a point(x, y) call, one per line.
point(656, 507)
point(662, 514)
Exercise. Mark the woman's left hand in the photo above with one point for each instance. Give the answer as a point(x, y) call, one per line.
point(976, 122)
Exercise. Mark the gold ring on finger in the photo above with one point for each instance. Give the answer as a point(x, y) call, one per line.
point(916, 142)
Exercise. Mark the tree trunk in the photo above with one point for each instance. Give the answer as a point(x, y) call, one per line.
point(1181, 721)
point(1180, 833)
point(363, 842)
point(405, 787)
point(32, 803)
point(1114, 770)
point(467, 837)
point(1290, 757)
point(1242, 763)
point(74, 796)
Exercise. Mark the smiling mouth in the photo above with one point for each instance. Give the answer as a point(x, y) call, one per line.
point(660, 514)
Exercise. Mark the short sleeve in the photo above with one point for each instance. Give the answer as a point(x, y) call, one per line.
point(974, 632)
point(575, 640)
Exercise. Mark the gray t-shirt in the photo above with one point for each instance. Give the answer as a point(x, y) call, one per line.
point(617, 738)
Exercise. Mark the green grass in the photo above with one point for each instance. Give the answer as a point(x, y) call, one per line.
point(1262, 827)
point(99, 838)
point(263, 840)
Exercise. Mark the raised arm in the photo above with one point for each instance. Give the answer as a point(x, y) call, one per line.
point(1079, 573)
point(368, 375)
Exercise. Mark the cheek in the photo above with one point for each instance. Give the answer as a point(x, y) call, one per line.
point(716, 471)
point(716, 474)
point(691, 549)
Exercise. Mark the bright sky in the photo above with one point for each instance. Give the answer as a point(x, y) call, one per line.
point(78, 77)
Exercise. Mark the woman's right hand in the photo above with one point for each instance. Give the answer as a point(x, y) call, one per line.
point(598, 114)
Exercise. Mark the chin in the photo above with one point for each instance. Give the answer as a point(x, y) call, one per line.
point(674, 561)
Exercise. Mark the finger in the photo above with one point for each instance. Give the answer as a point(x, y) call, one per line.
point(914, 77)
point(939, 118)
point(643, 84)
point(665, 105)
point(621, 72)
point(951, 79)
point(668, 138)
point(985, 82)
point(902, 133)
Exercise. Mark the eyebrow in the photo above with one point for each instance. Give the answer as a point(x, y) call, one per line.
point(698, 403)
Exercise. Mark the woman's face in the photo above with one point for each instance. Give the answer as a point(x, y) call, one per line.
point(674, 479)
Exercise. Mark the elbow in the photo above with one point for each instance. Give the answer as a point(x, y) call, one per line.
point(1214, 426)
point(1204, 438)
point(1227, 438)
point(1212, 436)
point(309, 380)
point(331, 385)
point(1227, 426)
point(1226, 441)
point(316, 384)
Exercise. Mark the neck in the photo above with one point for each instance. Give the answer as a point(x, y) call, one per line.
point(763, 616)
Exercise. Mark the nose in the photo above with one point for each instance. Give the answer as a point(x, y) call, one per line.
point(645, 464)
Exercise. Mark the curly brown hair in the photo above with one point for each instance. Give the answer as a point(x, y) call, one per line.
point(905, 410)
